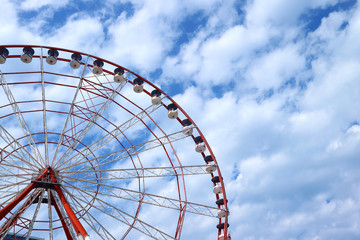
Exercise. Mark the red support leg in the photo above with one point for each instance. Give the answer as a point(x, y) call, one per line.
point(73, 219)
point(49, 175)
point(5, 210)
point(12, 221)
point(79, 229)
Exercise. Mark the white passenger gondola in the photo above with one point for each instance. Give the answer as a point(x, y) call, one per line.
point(221, 237)
point(217, 188)
point(221, 213)
point(27, 55)
point(172, 108)
point(156, 97)
point(3, 54)
point(52, 56)
point(119, 75)
point(199, 145)
point(211, 166)
point(97, 68)
point(75, 60)
point(138, 85)
point(187, 128)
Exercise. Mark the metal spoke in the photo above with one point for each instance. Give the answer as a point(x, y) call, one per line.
point(65, 220)
point(20, 175)
point(156, 200)
point(21, 119)
point(7, 163)
point(25, 182)
point(110, 136)
point(10, 162)
point(124, 153)
point(44, 108)
point(91, 122)
point(70, 110)
point(31, 225)
point(118, 174)
point(13, 219)
point(15, 145)
point(9, 193)
point(9, 196)
point(12, 174)
point(89, 219)
point(50, 215)
point(97, 227)
point(125, 218)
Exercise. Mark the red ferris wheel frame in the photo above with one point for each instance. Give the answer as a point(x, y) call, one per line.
point(47, 179)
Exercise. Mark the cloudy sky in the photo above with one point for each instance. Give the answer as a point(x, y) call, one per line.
point(273, 85)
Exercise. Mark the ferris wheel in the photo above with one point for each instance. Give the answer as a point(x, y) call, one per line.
point(92, 150)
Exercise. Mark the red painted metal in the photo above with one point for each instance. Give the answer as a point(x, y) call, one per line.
point(5, 210)
point(39, 178)
point(7, 226)
point(73, 219)
point(48, 172)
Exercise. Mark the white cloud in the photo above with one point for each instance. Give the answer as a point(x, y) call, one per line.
point(274, 68)
point(280, 13)
point(12, 31)
point(145, 38)
point(80, 32)
point(288, 186)
point(31, 5)
point(289, 158)
point(140, 41)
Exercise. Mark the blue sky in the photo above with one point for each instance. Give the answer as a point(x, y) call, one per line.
point(273, 85)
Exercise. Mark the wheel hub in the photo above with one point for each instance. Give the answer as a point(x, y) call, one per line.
point(48, 180)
